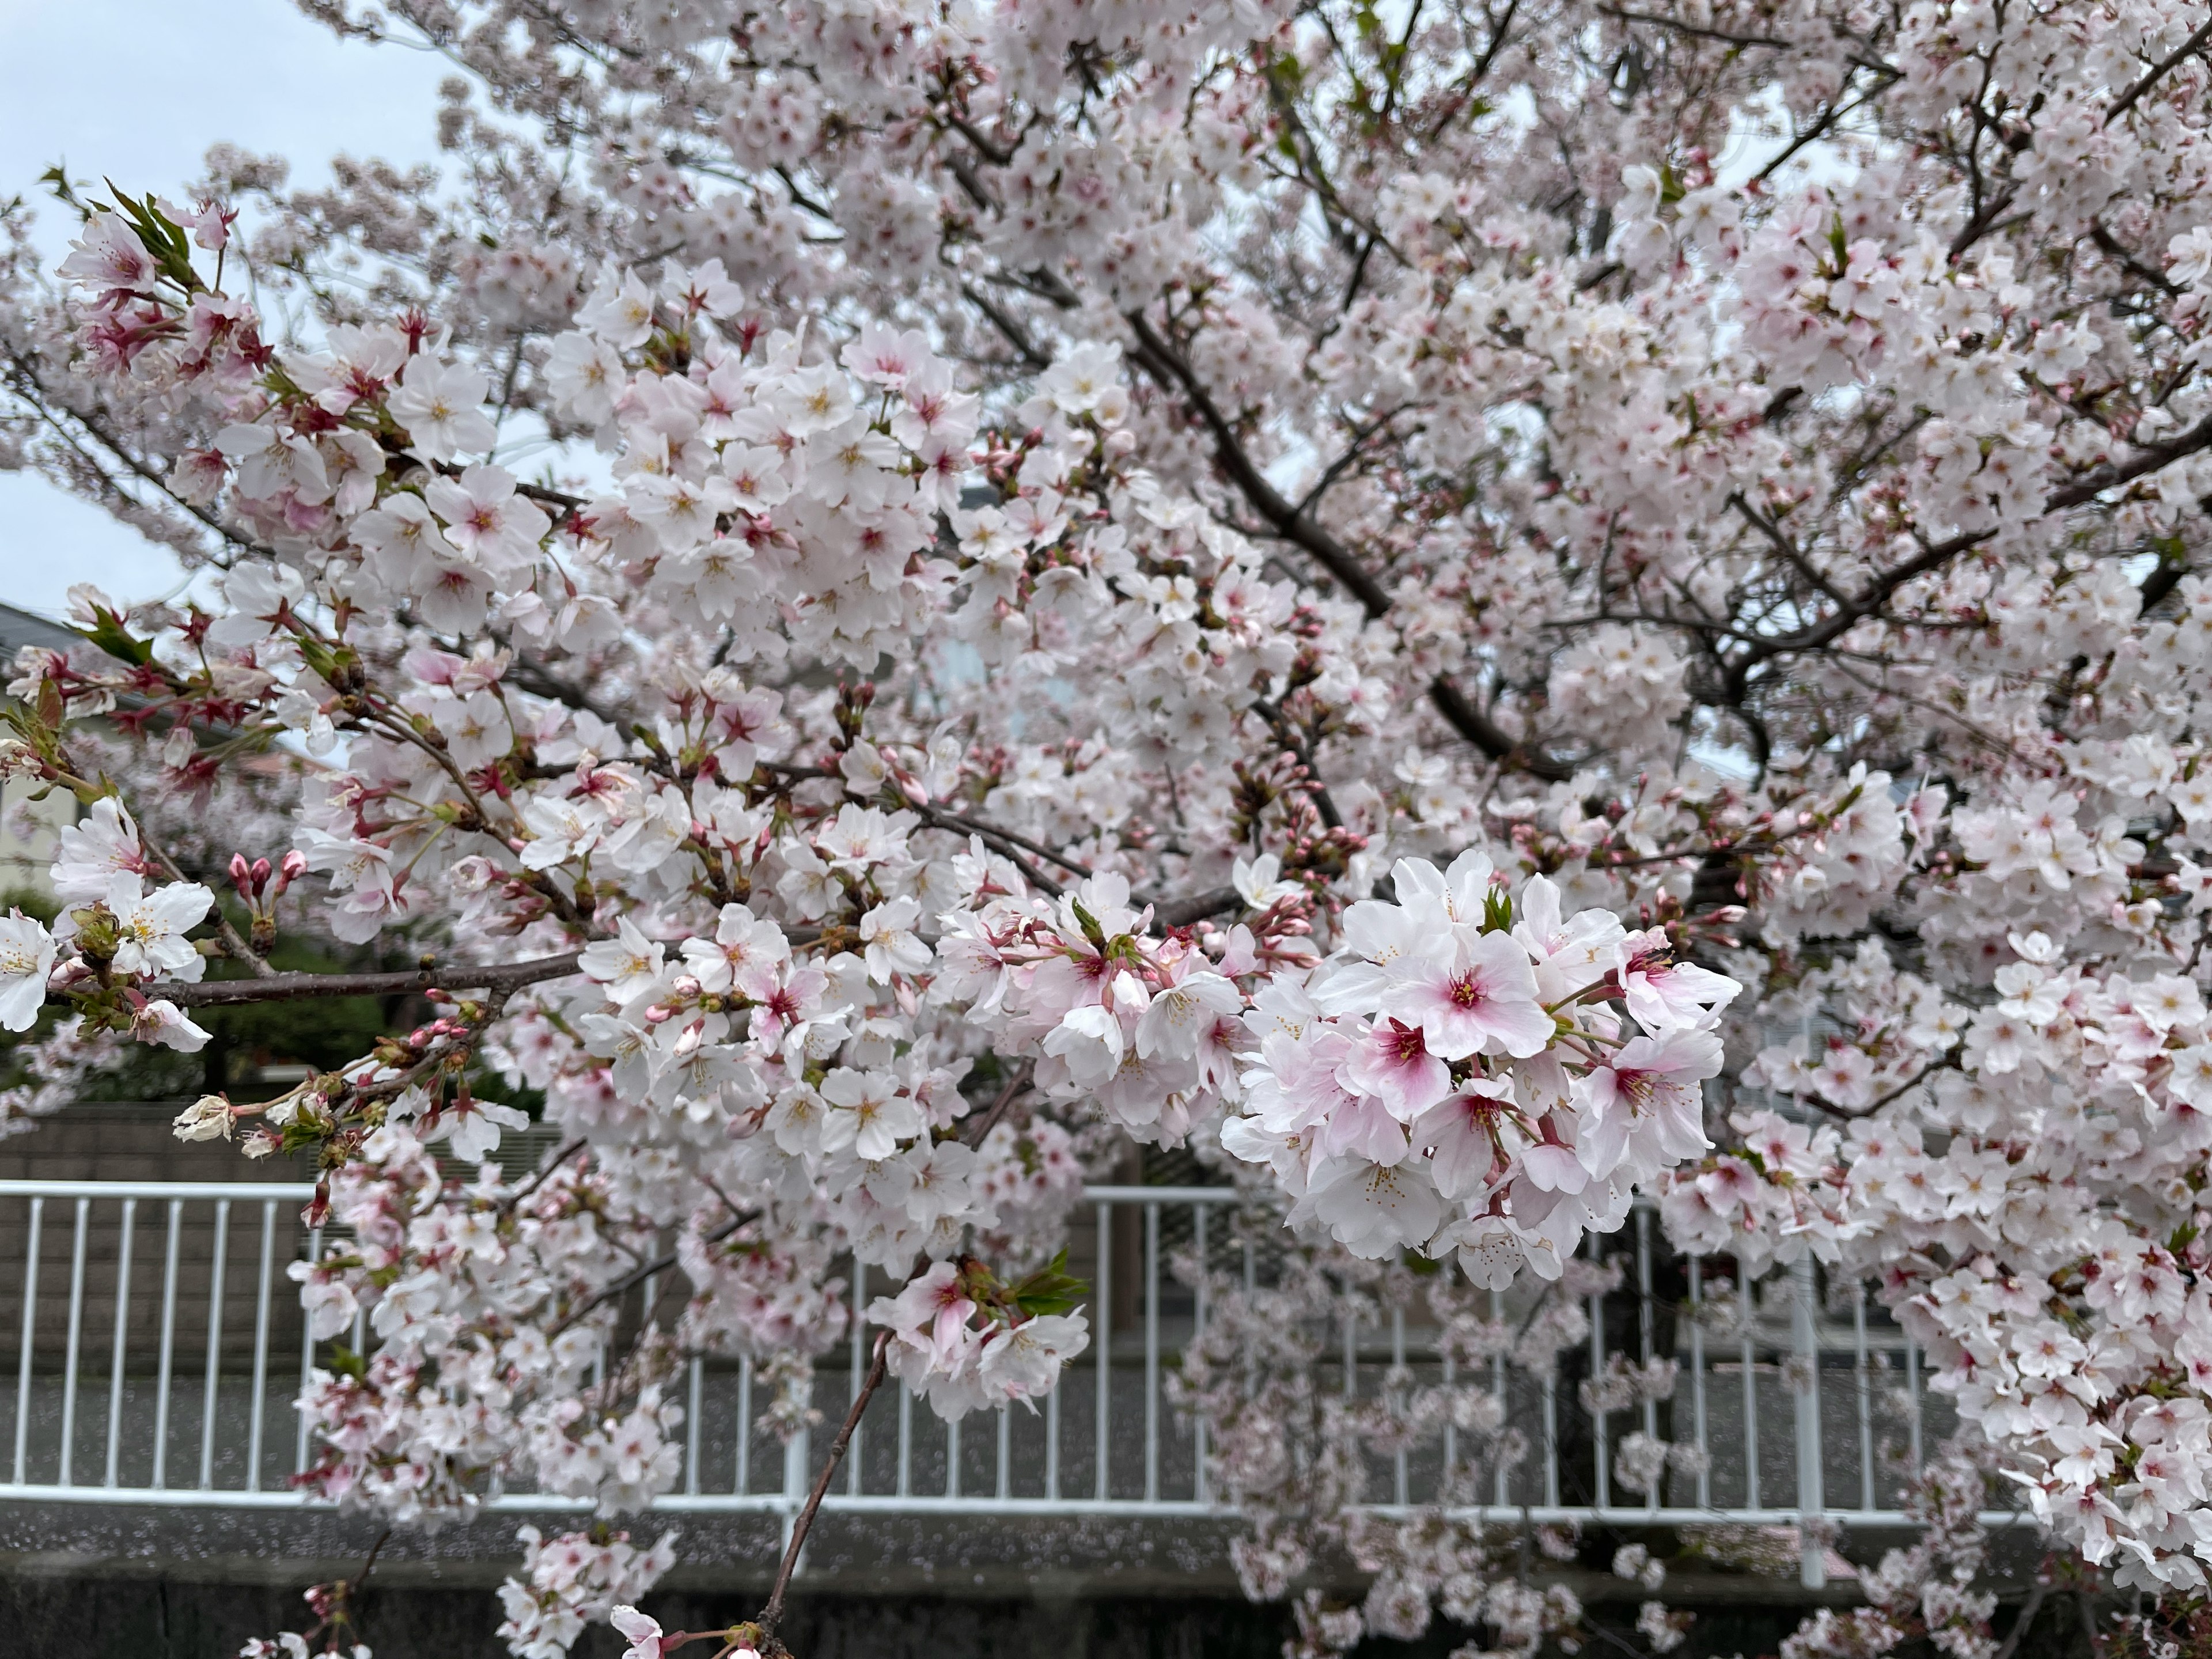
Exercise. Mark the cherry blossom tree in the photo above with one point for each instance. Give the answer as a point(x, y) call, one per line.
point(879, 597)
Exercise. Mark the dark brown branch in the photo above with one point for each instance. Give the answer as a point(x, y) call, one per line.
point(1866, 604)
point(2149, 458)
point(290, 988)
point(2113, 248)
point(1697, 31)
point(990, 832)
point(1174, 375)
point(1486, 734)
point(773, 1613)
point(1168, 366)
point(1008, 327)
point(979, 1131)
point(529, 674)
point(1181, 913)
point(2157, 72)
point(629, 1282)
point(997, 155)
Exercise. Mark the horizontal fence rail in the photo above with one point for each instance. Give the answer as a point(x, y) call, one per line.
point(160, 1348)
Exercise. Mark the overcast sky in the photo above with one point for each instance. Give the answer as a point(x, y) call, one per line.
point(136, 91)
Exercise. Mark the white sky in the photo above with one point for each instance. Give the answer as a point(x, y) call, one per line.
point(173, 77)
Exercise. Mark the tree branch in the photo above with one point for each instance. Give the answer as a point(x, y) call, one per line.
point(661, 1264)
point(2157, 72)
point(1174, 373)
point(2149, 458)
point(1181, 913)
point(773, 1613)
point(290, 987)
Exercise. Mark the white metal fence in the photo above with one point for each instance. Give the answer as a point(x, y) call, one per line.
point(160, 1347)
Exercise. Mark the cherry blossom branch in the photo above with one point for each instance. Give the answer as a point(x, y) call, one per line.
point(2156, 73)
point(1697, 32)
point(772, 1614)
point(979, 1131)
point(939, 818)
point(637, 1276)
point(2149, 458)
point(280, 987)
point(1174, 373)
point(1181, 913)
point(544, 1172)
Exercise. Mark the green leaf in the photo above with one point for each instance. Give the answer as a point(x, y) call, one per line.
point(1497, 911)
point(167, 242)
point(108, 632)
point(1050, 1290)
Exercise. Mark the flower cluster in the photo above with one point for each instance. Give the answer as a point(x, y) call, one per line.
point(1092, 575)
point(1474, 1074)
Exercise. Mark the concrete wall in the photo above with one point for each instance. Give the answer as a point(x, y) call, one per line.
point(93, 1584)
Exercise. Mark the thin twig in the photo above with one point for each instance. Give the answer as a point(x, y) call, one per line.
point(281, 987)
point(773, 1611)
point(630, 1280)
point(544, 1170)
point(979, 1131)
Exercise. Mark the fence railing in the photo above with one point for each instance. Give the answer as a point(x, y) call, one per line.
point(160, 1348)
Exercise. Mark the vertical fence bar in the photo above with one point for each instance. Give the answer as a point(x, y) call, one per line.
point(1502, 1384)
point(1551, 1404)
point(118, 1341)
point(1052, 1446)
point(1151, 1353)
point(1104, 1302)
point(160, 1476)
point(1812, 1500)
point(261, 1346)
point(1600, 1427)
point(215, 1343)
point(953, 1460)
point(745, 1427)
point(307, 1359)
point(1197, 1334)
point(1750, 1393)
point(75, 1342)
point(1865, 1399)
point(798, 1470)
point(1645, 1316)
point(1698, 1381)
point(1451, 1432)
point(30, 1334)
point(1398, 1485)
point(1912, 1402)
point(859, 1362)
point(1005, 1489)
point(905, 1442)
point(693, 1431)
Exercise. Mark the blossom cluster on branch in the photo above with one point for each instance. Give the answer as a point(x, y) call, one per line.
point(1471, 610)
